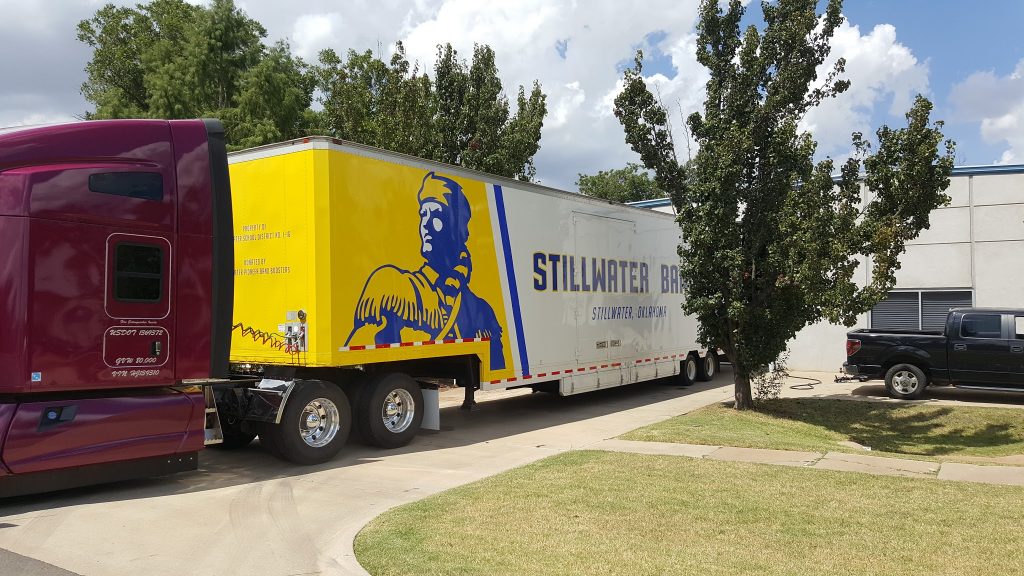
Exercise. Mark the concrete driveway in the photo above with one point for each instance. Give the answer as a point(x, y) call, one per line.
point(244, 512)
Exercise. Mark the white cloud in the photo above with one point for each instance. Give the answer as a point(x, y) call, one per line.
point(314, 32)
point(580, 134)
point(36, 118)
point(879, 69)
point(41, 18)
point(575, 49)
point(997, 104)
point(568, 99)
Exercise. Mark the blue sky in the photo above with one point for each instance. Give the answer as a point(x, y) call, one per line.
point(952, 39)
point(956, 39)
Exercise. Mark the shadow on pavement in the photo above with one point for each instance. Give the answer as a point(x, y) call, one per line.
point(491, 420)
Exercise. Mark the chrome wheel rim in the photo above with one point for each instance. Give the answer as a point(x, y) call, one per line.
point(691, 369)
point(905, 382)
point(709, 366)
point(319, 423)
point(398, 411)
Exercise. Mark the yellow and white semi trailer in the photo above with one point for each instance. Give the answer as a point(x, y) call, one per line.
point(363, 276)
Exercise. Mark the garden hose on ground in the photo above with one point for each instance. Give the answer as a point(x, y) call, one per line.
point(811, 383)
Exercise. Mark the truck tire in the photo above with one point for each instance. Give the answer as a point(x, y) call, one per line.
point(905, 381)
point(707, 367)
point(314, 426)
point(389, 411)
point(689, 369)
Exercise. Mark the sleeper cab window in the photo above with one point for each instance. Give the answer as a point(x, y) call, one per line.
point(981, 326)
point(142, 185)
point(138, 272)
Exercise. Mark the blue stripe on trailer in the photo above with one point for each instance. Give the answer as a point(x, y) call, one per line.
point(517, 315)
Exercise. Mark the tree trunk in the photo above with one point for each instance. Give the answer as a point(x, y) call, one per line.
point(740, 378)
point(744, 399)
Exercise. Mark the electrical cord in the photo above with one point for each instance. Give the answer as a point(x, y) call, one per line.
point(812, 382)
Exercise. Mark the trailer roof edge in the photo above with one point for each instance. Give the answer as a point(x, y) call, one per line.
point(327, 143)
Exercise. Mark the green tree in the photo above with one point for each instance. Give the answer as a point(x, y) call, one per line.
point(770, 241)
point(461, 117)
point(127, 44)
point(388, 105)
point(474, 122)
point(645, 122)
point(273, 100)
point(169, 59)
point(629, 184)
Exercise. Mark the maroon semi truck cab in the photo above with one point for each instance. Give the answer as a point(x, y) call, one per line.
point(115, 298)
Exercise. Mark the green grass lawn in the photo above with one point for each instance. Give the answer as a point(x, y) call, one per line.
point(936, 432)
point(609, 513)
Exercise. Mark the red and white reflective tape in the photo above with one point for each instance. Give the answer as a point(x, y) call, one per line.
point(659, 358)
point(412, 344)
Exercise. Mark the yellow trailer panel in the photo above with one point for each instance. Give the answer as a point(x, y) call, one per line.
point(328, 249)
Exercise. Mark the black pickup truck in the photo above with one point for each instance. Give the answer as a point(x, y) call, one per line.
point(981, 348)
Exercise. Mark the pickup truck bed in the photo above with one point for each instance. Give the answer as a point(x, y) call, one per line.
point(979, 348)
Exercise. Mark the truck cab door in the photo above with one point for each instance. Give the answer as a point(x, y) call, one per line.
point(1017, 352)
point(137, 342)
point(979, 351)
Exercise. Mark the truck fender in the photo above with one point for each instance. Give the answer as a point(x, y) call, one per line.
point(268, 399)
point(908, 355)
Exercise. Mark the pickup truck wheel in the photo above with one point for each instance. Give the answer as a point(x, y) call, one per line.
point(707, 367)
point(905, 381)
point(390, 410)
point(314, 426)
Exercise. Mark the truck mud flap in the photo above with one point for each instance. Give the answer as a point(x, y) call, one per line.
point(267, 400)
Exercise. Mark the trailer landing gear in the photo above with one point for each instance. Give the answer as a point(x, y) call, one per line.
point(472, 382)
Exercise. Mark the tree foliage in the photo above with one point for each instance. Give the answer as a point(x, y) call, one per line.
point(461, 117)
point(771, 240)
point(629, 184)
point(170, 59)
point(367, 100)
point(645, 121)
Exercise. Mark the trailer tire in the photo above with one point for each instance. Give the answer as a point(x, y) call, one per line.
point(689, 369)
point(707, 367)
point(389, 411)
point(905, 381)
point(314, 426)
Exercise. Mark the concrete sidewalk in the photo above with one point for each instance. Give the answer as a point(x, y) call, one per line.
point(882, 466)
